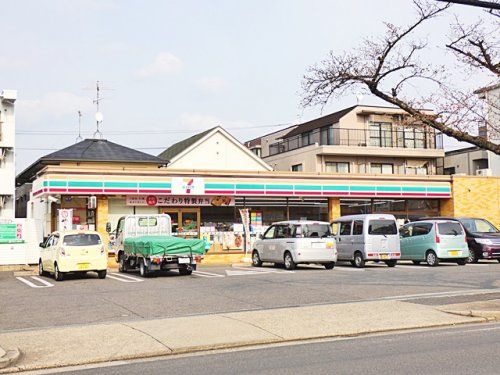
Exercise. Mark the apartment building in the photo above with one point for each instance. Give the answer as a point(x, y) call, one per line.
point(360, 139)
point(7, 165)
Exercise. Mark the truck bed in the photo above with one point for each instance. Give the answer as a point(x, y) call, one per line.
point(163, 245)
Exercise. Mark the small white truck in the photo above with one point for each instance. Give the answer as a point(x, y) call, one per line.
point(146, 242)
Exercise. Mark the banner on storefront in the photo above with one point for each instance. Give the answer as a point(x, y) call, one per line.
point(155, 200)
point(65, 219)
point(11, 231)
point(245, 220)
point(188, 186)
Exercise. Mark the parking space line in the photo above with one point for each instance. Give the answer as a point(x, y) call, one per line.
point(123, 280)
point(33, 285)
point(351, 269)
point(126, 276)
point(260, 270)
point(206, 274)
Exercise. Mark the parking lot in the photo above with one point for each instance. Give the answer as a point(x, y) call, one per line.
point(30, 301)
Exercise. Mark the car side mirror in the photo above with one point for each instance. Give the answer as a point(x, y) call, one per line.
point(261, 236)
point(108, 227)
point(42, 244)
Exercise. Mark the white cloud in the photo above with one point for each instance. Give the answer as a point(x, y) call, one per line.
point(213, 84)
point(52, 105)
point(165, 63)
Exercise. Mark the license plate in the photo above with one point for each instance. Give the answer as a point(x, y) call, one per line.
point(454, 253)
point(384, 256)
point(83, 266)
point(184, 261)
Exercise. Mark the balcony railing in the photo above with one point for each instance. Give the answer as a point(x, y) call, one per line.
point(400, 138)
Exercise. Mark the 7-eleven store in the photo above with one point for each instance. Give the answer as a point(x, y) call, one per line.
point(207, 203)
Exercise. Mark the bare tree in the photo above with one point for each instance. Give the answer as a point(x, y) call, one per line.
point(391, 67)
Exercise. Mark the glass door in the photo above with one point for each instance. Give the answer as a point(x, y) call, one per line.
point(185, 221)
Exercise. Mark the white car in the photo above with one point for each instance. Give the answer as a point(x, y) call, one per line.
point(294, 242)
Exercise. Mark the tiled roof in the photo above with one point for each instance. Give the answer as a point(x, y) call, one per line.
point(178, 147)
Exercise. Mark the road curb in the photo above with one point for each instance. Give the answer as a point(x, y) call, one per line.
point(485, 314)
point(9, 357)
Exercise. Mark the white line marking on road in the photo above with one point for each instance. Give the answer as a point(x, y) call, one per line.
point(349, 269)
point(206, 274)
point(33, 285)
point(479, 264)
point(123, 280)
point(126, 276)
point(260, 270)
point(440, 294)
point(404, 266)
point(42, 281)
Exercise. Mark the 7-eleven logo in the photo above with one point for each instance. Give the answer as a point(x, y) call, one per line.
point(188, 186)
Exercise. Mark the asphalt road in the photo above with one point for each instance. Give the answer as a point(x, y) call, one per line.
point(461, 350)
point(31, 302)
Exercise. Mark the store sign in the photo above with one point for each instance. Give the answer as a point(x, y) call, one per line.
point(154, 200)
point(188, 186)
point(11, 232)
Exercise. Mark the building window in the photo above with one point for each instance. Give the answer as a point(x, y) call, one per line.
point(326, 135)
point(381, 134)
point(449, 171)
point(382, 168)
point(337, 167)
point(306, 138)
point(297, 168)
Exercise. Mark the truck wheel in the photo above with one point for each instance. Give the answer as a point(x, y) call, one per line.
point(122, 265)
point(359, 262)
point(185, 271)
point(256, 262)
point(391, 263)
point(143, 268)
point(101, 274)
point(58, 276)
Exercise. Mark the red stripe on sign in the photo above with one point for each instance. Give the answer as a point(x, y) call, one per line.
point(413, 194)
point(250, 192)
point(335, 193)
point(159, 192)
point(58, 190)
point(38, 192)
point(278, 192)
point(318, 193)
point(366, 193)
point(84, 190)
point(445, 195)
point(389, 194)
point(120, 190)
point(219, 191)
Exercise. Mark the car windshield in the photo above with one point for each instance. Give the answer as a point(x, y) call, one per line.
point(85, 239)
point(478, 226)
point(450, 229)
point(316, 230)
point(382, 227)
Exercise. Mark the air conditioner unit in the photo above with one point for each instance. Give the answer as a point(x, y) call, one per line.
point(483, 172)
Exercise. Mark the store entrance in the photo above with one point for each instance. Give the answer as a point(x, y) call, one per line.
point(185, 221)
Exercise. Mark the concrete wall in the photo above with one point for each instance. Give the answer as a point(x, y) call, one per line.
point(7, 143)
point(474, 197)
point(464, 162)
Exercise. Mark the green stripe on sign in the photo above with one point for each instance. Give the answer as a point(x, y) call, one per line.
point(438, 189)
point(84, 184)
point(57, 183)
point(389, 188)
point(219, 186)
point(279, 187)
point(250, 186)
point(45, 183)
point(120, 184)
point(362, 188)
point(155, 185)
point(413, 189)
point(308, 187)
point(336, 188)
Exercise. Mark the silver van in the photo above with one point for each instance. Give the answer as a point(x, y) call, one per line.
point(294, 242)
point(361, 238)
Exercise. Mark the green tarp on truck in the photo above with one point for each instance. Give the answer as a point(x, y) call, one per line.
point(163, 245)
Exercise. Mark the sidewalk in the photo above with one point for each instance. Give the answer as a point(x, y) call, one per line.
point(485, 309)
point(76, 345)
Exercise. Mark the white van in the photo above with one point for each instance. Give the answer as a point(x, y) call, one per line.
point(294, 242)
point(362, 238)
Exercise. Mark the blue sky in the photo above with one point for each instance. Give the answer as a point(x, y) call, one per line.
point(177, 66)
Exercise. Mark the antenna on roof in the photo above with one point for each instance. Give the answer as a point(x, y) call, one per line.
point(98, 115)
point(79, 138)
